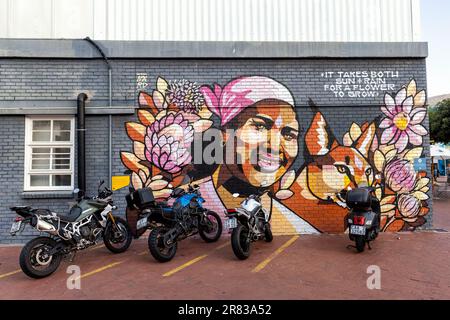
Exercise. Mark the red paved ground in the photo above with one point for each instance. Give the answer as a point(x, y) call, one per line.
point(413, 266)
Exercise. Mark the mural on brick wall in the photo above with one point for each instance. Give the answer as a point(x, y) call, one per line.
point(245, 135)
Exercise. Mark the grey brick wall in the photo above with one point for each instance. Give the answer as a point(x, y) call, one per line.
point(43, 81)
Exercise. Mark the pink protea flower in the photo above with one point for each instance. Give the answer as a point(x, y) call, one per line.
point(167, 141)
point(403, 120)
point(409, 206)
point(185, 95)
point(400, 176)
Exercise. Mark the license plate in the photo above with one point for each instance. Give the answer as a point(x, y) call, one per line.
point(142, 223)
point(358, 230)
point(231, 223)
point(16, 226)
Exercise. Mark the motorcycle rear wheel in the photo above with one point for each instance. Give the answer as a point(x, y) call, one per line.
point(360, 242)
point(157, 248)
point(33, 263)
point(268, 237)
point(240, 243)
point(213, 234)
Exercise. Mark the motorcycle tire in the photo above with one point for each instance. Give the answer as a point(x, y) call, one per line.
point(268, 236)
point(360, 243)
point(212, 236)
point(111, 242)
point(157, 247)
point(29, 259)
point(240, 242)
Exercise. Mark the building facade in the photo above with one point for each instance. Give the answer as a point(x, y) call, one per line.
point(317, 116)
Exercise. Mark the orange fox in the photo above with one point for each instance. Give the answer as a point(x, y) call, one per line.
point(331, 168)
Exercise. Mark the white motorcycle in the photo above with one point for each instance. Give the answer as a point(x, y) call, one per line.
point(250, 222)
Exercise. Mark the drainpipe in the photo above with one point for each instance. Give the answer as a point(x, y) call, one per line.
point(110, 105)
point(81, 129)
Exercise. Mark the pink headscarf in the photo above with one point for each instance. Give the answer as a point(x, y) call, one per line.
point(240, 93)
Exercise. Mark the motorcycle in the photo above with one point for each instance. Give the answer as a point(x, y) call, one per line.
point(171, 224)
point(249, 223)
point(88, 220)
point(364, 218)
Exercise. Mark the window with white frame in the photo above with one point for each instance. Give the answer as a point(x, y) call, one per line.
point(49, 153)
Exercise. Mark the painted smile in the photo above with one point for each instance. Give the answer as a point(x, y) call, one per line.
point(268, 162)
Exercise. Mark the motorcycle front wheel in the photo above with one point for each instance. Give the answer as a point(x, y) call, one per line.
point(158, 248)
point(117, 237)
point(240, 242)
point(211, 230)
point(34, 260)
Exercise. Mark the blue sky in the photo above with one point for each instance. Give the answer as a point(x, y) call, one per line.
point(436, 31)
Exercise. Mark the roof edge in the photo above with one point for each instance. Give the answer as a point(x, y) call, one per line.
point(81, 49)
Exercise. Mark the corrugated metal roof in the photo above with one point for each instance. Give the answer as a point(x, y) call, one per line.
point(213, 20)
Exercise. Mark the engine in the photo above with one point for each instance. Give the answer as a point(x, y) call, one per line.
point(88, 231)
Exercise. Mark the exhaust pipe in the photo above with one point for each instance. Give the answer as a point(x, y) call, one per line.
point(44, 226)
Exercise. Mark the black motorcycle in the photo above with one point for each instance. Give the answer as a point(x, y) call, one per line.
point(364, 217)
point(250, 222)
point(87, 222)
point(170, 224)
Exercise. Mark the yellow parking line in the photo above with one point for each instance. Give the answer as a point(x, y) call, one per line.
point(263, 264)
point(187, 264)
point(222, 246)
point(100, 269)
point(97, 247)
point(9, 273)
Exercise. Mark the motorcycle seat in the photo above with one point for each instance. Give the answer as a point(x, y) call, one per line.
point(20, 208)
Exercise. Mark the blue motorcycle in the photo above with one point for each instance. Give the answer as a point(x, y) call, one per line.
point(170, 224)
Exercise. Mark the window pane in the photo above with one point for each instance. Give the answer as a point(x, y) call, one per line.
point(41, 150)
point(61, 180)
point(61, 164)
point(39, 181)
point(59, 125)
point(40, 164)
point(41, 125)
point(41, 135)
point(61, 135)
point(62, 150)
point(61, 130)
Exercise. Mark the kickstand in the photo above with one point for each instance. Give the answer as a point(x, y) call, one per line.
point(368, 245)
point(72, 256)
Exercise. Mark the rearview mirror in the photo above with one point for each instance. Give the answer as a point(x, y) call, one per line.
point(235, 195)
point(76, 190)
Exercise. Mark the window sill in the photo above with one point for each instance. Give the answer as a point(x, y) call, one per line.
point(47, 195)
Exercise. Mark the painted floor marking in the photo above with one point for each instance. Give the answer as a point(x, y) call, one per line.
point(263, 264)
point(100, 269)
point(185, 265)
point(9, 273)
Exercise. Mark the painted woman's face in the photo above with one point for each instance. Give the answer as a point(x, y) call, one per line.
point(266, 142)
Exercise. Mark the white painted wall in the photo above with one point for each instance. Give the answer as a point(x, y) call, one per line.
point(213, 20)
